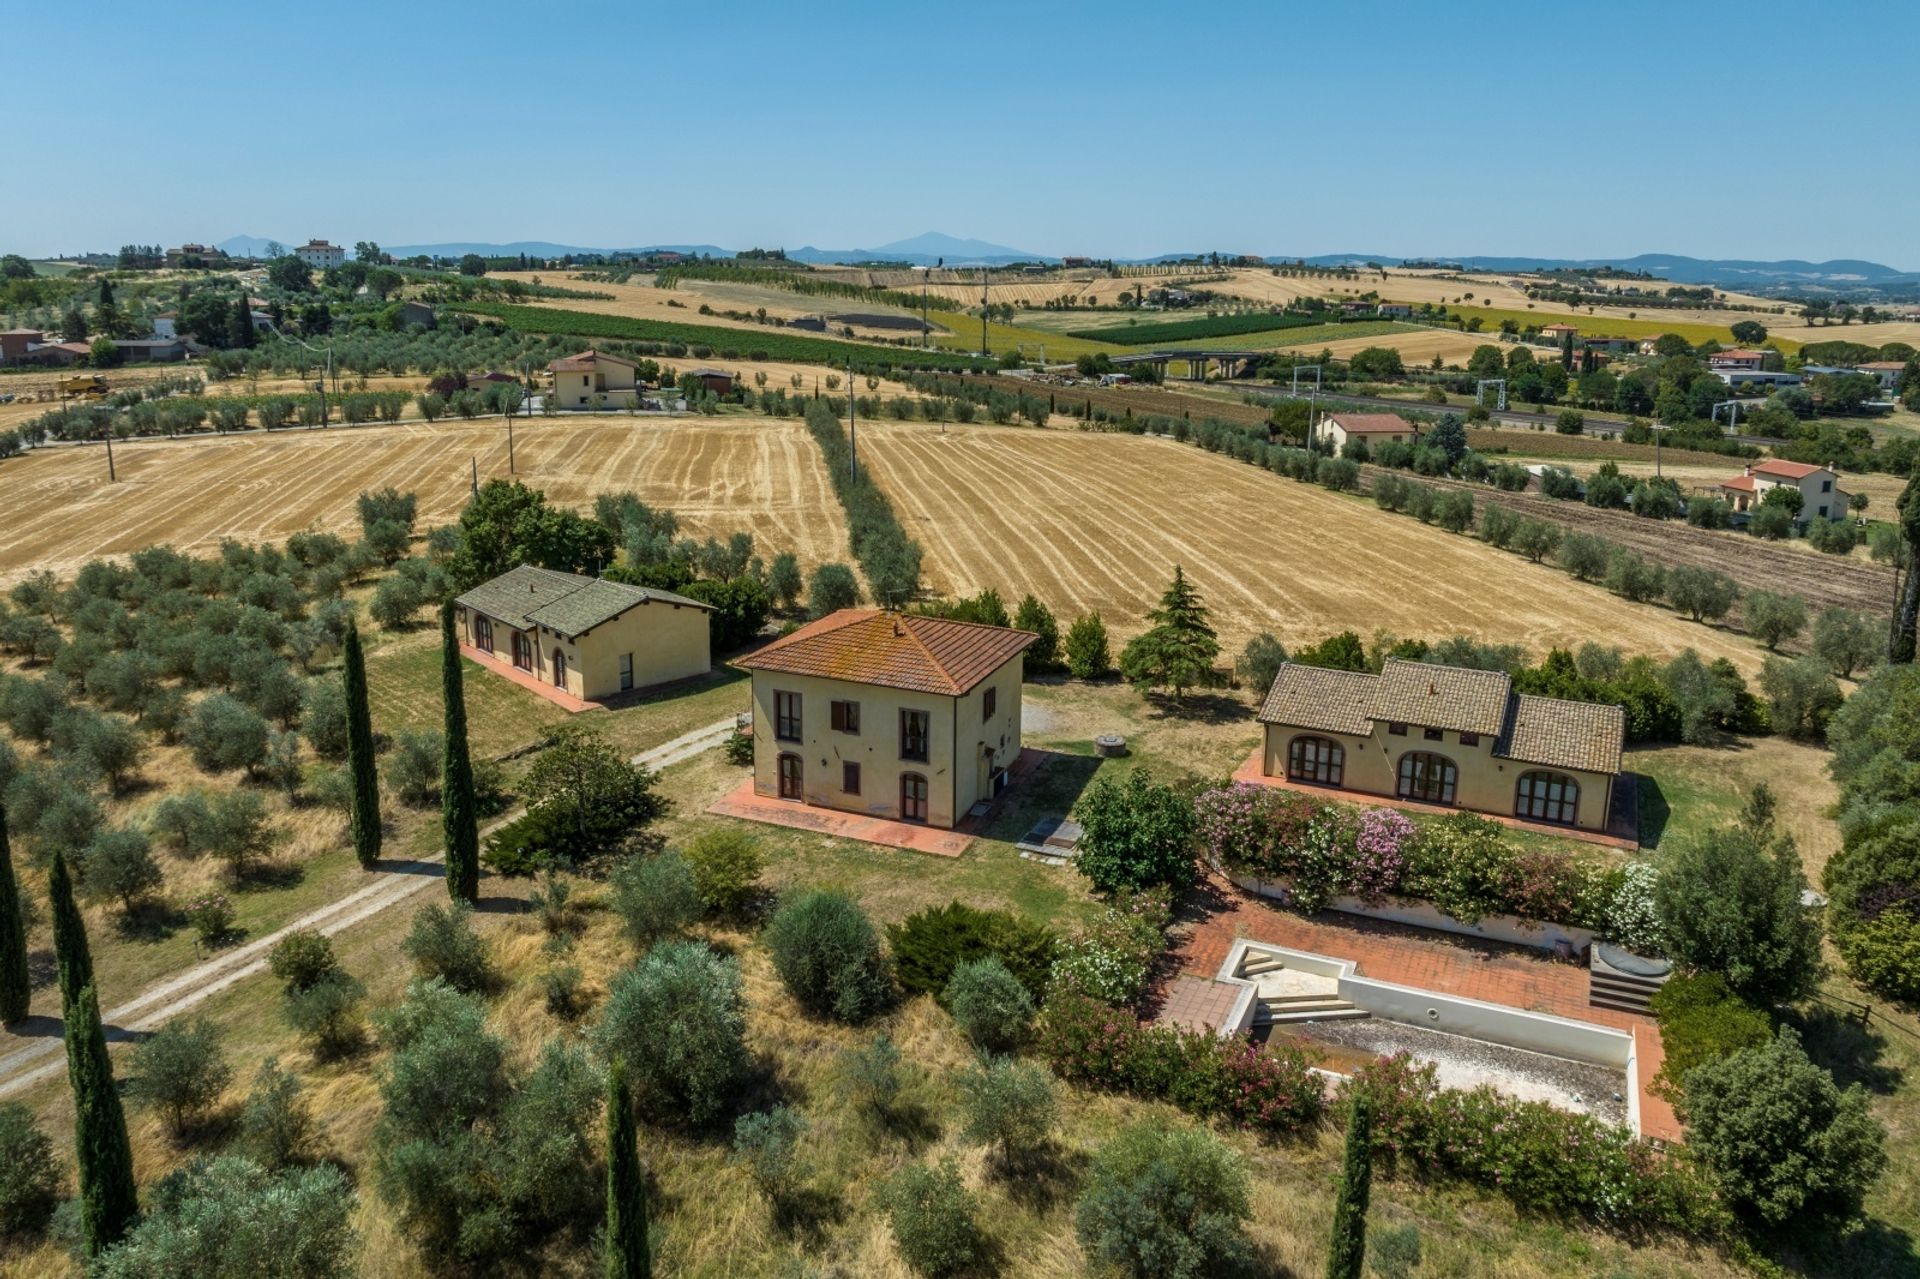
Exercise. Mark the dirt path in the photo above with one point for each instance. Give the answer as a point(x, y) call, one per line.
point(393, 883)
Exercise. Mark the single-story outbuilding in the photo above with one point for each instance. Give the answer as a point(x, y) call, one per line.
point(586, 636)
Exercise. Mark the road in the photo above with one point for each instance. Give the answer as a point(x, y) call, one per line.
point(394, 882)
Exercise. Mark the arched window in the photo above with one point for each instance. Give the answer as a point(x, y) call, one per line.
point(913, 797)
point(1427, 777)
point(1547, 797)
point(1316, 759)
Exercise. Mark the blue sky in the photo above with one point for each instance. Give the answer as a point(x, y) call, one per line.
point(1763, 131)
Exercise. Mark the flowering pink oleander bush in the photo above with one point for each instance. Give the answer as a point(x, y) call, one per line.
point(1379, 853)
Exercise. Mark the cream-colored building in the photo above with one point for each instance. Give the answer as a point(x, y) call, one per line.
point(1445, 735)
point(908, 718)
point(593, 379)
point(586, 636)
point(1336, 429)
point(1820, 492)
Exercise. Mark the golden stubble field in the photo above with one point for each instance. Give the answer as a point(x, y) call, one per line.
point(1097, 521)
point(719, 475)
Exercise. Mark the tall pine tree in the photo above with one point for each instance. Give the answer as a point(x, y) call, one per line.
point(108, 1200)
point(16, 991)
point(1348, 1252)
point(457, 819)
point(1178, 652)
point(627, 1255)
point(72, 955)
point(360, 761)
point(1903, 645)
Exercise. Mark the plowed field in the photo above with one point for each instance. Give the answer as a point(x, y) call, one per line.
point(760, 474)
point(1097, 521)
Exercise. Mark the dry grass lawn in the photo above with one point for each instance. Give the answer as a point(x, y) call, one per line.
point(1086, 521)
point(719, 475)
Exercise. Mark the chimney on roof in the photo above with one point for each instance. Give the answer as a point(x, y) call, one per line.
point(1747, 470)
point(1431, 690)
point(897, 631)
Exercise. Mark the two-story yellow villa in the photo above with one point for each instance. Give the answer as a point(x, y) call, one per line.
point(584, 636)
point(890, 715)
point(1447, 736)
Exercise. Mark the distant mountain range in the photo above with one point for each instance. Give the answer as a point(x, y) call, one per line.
point(932, 247)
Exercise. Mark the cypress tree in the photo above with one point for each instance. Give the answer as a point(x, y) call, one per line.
point(16, 991)
point(627, 1255)
point(360, 762)
point(72, 955)
point(1348, 1252)
point(108, 1200)
point(456, 774)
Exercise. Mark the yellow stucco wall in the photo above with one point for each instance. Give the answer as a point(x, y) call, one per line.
point(666, 641)
point(963, 744)
point(1484, 783)
point(572, 390)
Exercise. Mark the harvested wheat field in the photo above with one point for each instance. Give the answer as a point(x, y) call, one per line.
point(1416, 348)
point(719, 476)
point(1097, 521)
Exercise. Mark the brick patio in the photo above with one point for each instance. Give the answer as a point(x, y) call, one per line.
point(1476, 969)
point(526, 679)
point(1197, 1003)
point(1622, 821)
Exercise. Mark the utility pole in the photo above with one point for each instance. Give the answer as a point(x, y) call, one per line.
point(473, 475)
point(112, 478)
point(926, 273)
point(984, 348)
point(510, 467)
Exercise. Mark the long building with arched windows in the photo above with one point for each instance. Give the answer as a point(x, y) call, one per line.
point(1446, 736)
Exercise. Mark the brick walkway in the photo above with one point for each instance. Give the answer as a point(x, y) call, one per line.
point(742, 802)
point(1194, 1003)
point(1622, 822)
point(1476, 969)
point(540, 688)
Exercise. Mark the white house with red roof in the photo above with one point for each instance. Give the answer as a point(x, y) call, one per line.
point(593, 379)
point(1737, 360)
point(1336, 429)
point(1820, 493)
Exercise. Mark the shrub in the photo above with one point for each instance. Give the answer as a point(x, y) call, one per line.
point(768, 1143)
point(441, 943)
point(726, 864)
point(212, 918)
point(655, 897)
point(678, 1019)
point(1585, 555)
point(276, 1128)
point(1010, 1105)
point(990, 1004)
point(1773, 619)
point(1801, 696)
point(1729, 902)
point(828, 954)
point(30, 1173)
point(302, 960)
point(224, 735)
point(1702, 1020)
point(1112, 957)
point(1521, 1149)
point(1462, 864)
point(413, 768)
point(1088, 656)
point(934, 1219)
point(1137, 834)
point(872, 1078)
point(1165, 1202)
point(180, 1071)
point(1787, 1143)
point(227, 1218)
point(929, 944)
point(327, 1015)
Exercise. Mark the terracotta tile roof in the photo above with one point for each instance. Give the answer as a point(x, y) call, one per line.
point(1562, 734)
point(1450, 697)
point(1883, 366)
point(585, 361)
point(1314, 697)
point(1786, 470)
point(1737, 353)
point(567, 603)
point(1370, 423)
point(894, 650)
point(1739, 484)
